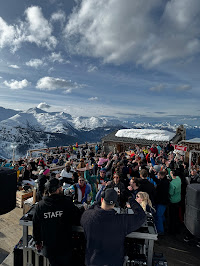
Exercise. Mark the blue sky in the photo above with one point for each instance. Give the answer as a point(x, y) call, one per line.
point(101, 57)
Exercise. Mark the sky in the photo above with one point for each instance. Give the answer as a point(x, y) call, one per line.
point(101, 57)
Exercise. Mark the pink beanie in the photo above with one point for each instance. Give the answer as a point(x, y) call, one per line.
point(46, 171)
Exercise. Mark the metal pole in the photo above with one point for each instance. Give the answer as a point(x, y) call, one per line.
point(13, 156)
point(190, 159)
point(150, 253)
point(25, 244)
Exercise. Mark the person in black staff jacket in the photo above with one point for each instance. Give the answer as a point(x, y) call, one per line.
point(105, 230)
point(52, 225)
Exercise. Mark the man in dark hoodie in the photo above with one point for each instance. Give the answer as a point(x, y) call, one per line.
point(161, 199)
point(146, 186)
point(42, 179)
point(52, 224)
point(105, 230)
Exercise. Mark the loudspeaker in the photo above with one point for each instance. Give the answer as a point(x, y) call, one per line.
point(8, 187)
point(192, 210)
point(193, 195)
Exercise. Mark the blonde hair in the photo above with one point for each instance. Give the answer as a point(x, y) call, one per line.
point(145, 200)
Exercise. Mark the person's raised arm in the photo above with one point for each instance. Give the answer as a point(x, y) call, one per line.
point(136, 219)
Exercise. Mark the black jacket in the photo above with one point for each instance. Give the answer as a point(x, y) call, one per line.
point(146, 186)
point(194, 179)
point(105, 233)
point(52, 224)
point(162, 190)
point(123, 196)
point(42, 179)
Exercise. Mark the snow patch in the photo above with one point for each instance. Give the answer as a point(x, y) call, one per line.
point(194, 140)
point(148, 134)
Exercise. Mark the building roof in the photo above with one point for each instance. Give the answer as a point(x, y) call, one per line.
point(148, 134)
point(139, 141)
point(194, 140)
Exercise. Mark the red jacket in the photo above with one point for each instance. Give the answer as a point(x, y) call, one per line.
point(154, 150)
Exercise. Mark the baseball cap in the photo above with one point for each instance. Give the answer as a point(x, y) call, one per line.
point(52, 185)
point(103, 170)
point(110, 196)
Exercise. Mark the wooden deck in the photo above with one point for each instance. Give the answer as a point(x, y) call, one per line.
point(10, 231)
point(176, 251)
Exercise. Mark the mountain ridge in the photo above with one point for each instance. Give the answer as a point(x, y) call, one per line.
point(36, 128)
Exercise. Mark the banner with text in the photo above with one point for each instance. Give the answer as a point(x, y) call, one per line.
point(180, 148)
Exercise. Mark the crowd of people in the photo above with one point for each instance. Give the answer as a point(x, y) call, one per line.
point(154, 178)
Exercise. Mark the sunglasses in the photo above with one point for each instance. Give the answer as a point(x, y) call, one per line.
point(81, 180)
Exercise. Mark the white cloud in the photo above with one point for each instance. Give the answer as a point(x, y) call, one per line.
point(185, 87)
point(92, 68)
point(7, 33)
point(93, 99)
point(143, 32)
point(35, 29)
point(14, 66)
point(68, 91)
point(34, 63)
point(158, 88)
point(50, 83)
point(43, 106)
point(58, 16)
point(56, 57)
point(51, 69)
point(17, 85)
point(40, 30)
point(1, 77)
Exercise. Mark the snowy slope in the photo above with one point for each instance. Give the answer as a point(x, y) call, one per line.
point(6, 113)
point(89, 123)
point(38, 128)
point(59, 122)
point(37, 119)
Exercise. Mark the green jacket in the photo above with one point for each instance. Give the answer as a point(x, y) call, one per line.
point(175, 190)
point(93, 180)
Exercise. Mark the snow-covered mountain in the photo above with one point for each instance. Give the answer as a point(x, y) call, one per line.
point(6, 113)
point(38, 128)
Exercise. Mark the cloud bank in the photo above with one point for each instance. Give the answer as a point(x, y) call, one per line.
point(144, 32)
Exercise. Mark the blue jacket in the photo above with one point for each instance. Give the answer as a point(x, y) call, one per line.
point(78, 191)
